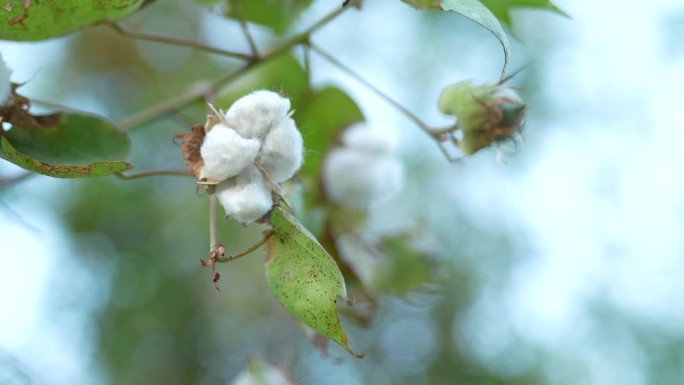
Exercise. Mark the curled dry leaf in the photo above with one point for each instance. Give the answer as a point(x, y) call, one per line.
point(190, 147)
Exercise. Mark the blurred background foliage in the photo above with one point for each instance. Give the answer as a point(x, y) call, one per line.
point(131, 302)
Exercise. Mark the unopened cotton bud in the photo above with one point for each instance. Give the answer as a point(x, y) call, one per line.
point(281, 152)
point(245, 197)
point(5, 84)
point(226, 153)
point(485, 114)
point(357, 179)
point(252, 115)
point(372, 140)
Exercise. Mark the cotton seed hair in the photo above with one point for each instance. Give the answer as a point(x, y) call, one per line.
point(254, 145)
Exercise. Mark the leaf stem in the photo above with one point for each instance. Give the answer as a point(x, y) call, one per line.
point(145, 174)
point(212, 222)
point(165, 39)
point(250, 249)
point(248, 35)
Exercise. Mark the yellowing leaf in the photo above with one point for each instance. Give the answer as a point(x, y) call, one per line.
point(304, 278)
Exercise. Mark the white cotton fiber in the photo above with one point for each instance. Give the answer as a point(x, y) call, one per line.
point(357, 179)
point(252, 115)
point(282, 150)
point(245, 197)
point(372, 140)
point(5, 84)
point(226, 153)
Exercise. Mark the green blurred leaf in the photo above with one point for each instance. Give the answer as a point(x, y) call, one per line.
point(501, 8)
point(320, 120)
point(61, 170)
point(68, 138)
point(283, 74)
point(304, 278)
point(276, 14)
point(475, 11)
point(24, 20)
point(404, 268)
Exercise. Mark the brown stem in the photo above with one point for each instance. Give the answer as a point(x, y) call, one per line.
point(250, 249)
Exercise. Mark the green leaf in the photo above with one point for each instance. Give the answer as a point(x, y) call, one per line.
point(475, 11)
point(276, 14)
point(304, 278)
point(68, 138)
point(24, 20)
point(62, 170)
point(501, 8)
point(320, 121)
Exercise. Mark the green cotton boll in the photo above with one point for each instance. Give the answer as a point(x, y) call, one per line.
point(485, 114)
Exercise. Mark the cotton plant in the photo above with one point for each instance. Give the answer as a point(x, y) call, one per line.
point(248, 151)
point(364, 170)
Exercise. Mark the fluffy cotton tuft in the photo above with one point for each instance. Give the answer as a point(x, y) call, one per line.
point(255, 134)
point(282, 151)
point(245, 197)
point(5, 84)
point(226, 153)
point(364, 172)
point(252, 115)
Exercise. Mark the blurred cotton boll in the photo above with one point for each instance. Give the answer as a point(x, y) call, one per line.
point(365, 171)
point(245, 197)
point(5, 85)
point(226, 153)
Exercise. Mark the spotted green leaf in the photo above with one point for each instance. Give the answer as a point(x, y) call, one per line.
point(26, 20)
point(304, 278)
point(68, 138)
point(61, 170)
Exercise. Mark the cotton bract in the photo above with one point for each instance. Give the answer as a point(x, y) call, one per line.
point(5, 85)
point(248, 151)
point(365, 170)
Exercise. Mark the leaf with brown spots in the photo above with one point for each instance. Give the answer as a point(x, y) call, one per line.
point(304, 278)
point(59, 171)
point(190, 148)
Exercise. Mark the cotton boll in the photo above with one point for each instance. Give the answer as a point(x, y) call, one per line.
point(252, 115)
point(226, 153)
point(372, 140)
point(281, 152)
point(5, 85)
point(245, 197)
point(357, 179)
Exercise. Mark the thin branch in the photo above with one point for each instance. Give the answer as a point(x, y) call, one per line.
point(245, 31)
point(377, 91)
point(212, 222)
point(145, 174)
point(178, 41)
point(250, 249)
